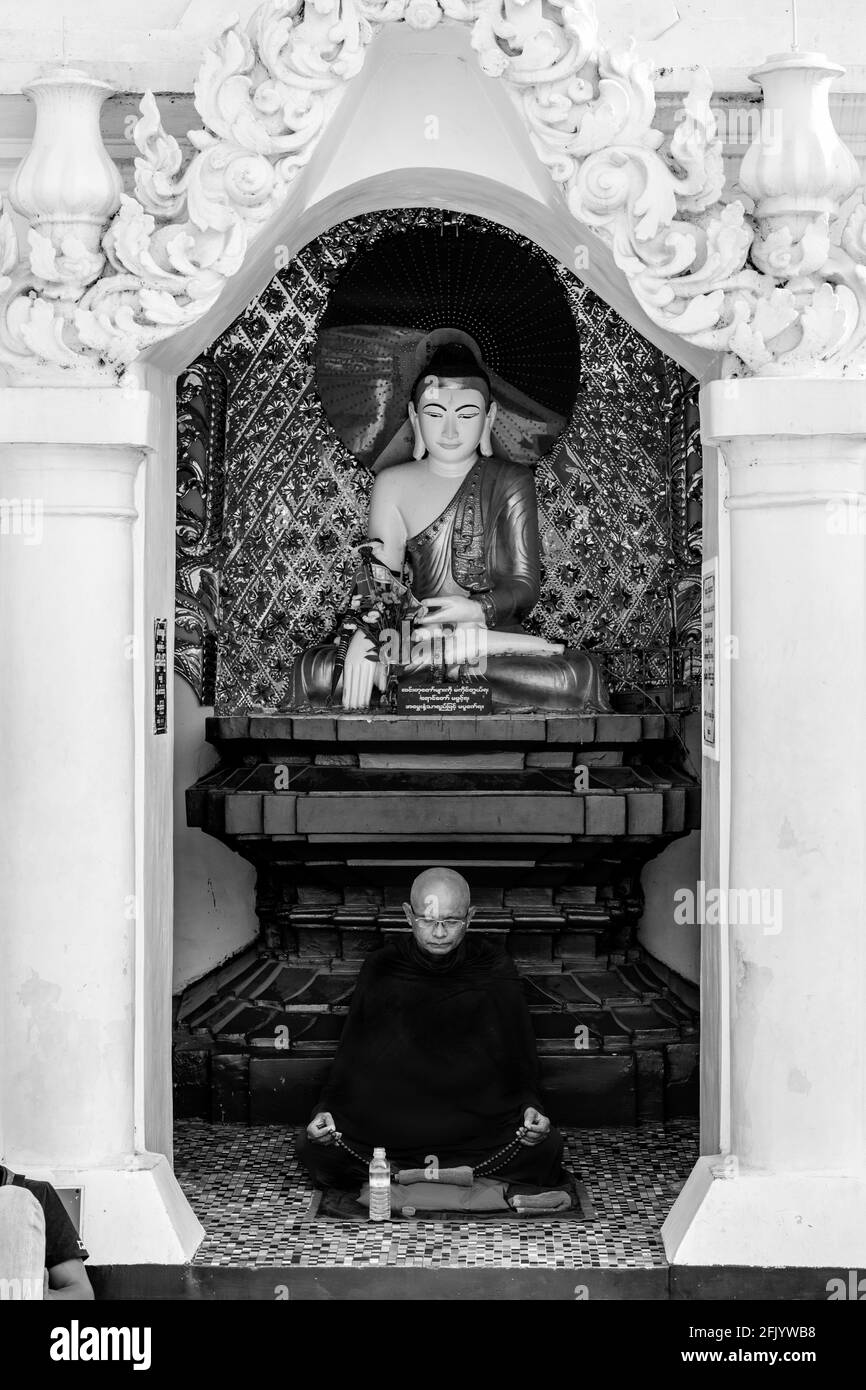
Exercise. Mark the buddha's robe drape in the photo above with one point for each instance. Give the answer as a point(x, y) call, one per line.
point(485, 543)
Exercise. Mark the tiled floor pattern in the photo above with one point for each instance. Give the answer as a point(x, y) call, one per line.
point(249, 1192)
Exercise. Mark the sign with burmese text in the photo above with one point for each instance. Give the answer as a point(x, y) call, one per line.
point(160, 675)
point(709, 644)
point(447, 698)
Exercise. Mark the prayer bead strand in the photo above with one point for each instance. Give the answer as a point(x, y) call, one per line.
point(488, 1165)
point(338, 1140)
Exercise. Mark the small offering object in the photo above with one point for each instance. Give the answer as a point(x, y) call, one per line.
point(541, 1201)
point(458, 1177)
point(380, 1186)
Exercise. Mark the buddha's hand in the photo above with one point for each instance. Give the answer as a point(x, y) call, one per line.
point(535, 1127)
point(359, 672)
point(321, 1129)
point(451, 608)
point(465, 645)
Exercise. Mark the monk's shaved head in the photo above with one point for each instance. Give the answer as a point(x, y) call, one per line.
point(440, 893)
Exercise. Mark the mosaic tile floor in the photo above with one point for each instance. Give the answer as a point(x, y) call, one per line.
point(249, 1192)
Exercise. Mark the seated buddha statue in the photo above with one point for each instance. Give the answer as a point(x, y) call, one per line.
point(465, 525)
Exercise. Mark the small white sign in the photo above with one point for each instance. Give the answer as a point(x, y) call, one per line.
point(709, 648)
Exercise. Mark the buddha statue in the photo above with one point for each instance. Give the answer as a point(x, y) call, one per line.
point(465, 525)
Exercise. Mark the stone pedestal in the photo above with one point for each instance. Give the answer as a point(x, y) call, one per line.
point(74, 937)
point(793, 1189)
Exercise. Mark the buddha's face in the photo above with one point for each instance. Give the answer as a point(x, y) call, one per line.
point(452, 420)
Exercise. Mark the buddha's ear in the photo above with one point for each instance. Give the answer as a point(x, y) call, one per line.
point(420, 447)
point(485, 444)
point(470, 914)
point(409, 914)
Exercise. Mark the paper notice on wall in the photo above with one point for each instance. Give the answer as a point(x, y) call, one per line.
point(160, 675)
point(709, 649)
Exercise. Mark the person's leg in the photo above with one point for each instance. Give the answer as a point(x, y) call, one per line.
point(22, 1244)
point(328, 1165)
point(540, 1163)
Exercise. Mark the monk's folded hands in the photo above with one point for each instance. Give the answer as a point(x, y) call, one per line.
point(321, 1129)
point(535, 1127)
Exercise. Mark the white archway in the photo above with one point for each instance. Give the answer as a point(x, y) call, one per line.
point(375, 154)
point(93, 300)
point(88, 302)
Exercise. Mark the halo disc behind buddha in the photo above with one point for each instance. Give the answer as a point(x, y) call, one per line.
point(397, 299)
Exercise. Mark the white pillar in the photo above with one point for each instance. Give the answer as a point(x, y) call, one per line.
point(69, 460)
point(792, 1191)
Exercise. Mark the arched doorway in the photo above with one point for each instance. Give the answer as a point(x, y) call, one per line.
point(136, 787)
point(619, 497)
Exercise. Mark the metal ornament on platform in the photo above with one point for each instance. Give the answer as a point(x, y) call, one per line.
point(619, 505)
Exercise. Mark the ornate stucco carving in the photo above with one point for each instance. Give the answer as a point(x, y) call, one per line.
point(774, 277)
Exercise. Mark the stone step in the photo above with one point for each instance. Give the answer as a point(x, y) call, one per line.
point(258, 1060)
point(604, 808)
point(580, 1089)
point(372, 728)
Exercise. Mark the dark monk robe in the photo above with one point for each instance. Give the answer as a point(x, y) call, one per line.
point(437, 1057)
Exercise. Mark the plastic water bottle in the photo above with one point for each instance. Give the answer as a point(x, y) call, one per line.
point(380, 1187)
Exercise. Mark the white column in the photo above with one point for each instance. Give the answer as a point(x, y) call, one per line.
point(793, 1188)
point(69, 459)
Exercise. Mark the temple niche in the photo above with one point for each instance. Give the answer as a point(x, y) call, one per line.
point(552, 816)
point(272, 506)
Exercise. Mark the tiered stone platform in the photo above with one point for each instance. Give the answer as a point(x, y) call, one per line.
point(366, 779)
point(550, 817)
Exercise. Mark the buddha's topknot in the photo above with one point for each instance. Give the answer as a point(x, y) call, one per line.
point(452, 362)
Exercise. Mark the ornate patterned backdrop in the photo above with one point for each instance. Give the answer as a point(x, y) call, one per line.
point(270, 504)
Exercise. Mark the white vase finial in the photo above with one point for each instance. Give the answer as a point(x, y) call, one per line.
point(67, 185)
point(798, 167)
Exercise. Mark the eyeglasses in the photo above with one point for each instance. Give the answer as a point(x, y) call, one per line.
point(451, 923)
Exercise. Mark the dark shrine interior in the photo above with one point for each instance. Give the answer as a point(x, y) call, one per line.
point(270, 506)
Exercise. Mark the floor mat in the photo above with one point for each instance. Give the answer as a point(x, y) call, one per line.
point(335, 1204)
point(251, 1194)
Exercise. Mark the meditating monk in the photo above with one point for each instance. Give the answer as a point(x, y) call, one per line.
point(462, 525)
point(437, 1058)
